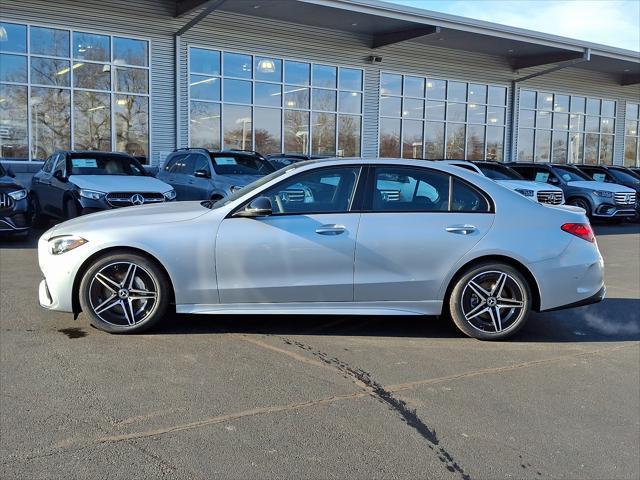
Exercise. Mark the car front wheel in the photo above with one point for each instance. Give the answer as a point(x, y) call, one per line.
point(490, 301)
point(124, 293)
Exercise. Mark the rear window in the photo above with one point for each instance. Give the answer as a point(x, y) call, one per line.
point(240, 165)
point(499, 172)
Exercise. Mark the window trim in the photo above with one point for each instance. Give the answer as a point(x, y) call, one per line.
point(367, 201)
point(112, 92)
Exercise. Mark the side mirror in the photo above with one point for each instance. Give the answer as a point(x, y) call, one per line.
point(259, 207)
point(554, 180)
point(202, 174)
point(10, 173)
point(58, 175)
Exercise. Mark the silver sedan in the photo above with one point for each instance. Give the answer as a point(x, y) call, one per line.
point(351, 236)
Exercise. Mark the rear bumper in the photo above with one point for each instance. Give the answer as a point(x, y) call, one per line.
point(595, 298)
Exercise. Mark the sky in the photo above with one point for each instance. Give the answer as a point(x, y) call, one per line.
point(608, 22)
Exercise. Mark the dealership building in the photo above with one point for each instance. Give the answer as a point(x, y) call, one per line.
point(320, 77)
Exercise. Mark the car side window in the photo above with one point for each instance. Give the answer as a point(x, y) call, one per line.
point(61, 165)
point(188, 165)
point(173, 163)
point(48, 165)
point(329, 190)
point(397, 189)
point(465, 198)
point(201, 163)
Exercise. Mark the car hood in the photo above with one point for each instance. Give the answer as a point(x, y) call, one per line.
point(130, 217)
point(119, 183)
point(529, 185)
point(606, 187)
point(7, 183)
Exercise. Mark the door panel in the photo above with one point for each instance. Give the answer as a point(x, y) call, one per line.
point(288, 258)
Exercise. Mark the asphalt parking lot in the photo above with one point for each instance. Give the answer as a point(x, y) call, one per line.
point(322, 397)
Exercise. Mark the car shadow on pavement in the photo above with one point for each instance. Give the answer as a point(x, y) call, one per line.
point(624, 228)
point(613, 320)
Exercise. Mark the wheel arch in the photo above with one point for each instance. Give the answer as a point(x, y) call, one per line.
point(531, 280)
point(75, 299)
point(579, 196)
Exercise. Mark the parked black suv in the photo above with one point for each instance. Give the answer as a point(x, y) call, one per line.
point(200, 174)
point(73, 183)
point(15, 213)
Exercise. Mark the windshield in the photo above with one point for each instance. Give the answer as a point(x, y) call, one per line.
point(105, 165)
point(240, 165)
point(571, 174)
point(246, 189)
point(499, 172)
point(624, 177)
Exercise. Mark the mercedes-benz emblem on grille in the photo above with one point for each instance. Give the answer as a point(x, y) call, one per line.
point(137, 199)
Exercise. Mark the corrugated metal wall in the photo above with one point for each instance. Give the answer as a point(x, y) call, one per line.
point(153, 19)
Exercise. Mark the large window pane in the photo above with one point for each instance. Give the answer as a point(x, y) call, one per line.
point(296, 72)
point(591, 148)
point(324, 76)
point(436, 89)
point(527, 99)
point(477, 93)
point(132, 124)
point(205, 88)
point(350, 79)
point(561, 103)
point(49, 41)
point(497, 96)
point(349, 135)
point(560, 121)
point(476, 113)
point(14, 144)
point(390, 106)
point(577, 104)
point(13, 68)
point(350, 102)
point(92, 121)
point(545, 101)
point(390, 137)
point(50, 121)
point(296, 131)
point(412, 139)
point(608, 108)
point(593, 106)
point(632, 111)
point(268, 125)
point(128, 51)
point(455, 140)
point(475, 142)
point(496, 115)
point(296, 97)
point(132, 80)
point(456, 112)
point(390, 84)
point(413, 108)
point(236, 65)
point(50, 71)
point(237, 127)
point(527, 118)
point(543, 119)
point(525, 145)
point(543, 145)
point(495, 143)
point(414, 87)
point(323, 134)
point(15, 37)
point(204, 61)
point(434, 141)
point(269, 69)
point(631, 128)
point(576, 122)
point(606, 149)
point(630, 151)
point(268, 94)
point(89, 46)
point(324, 99)
point(435, 110)
point(592, 124)
point(457, 91)
point(96, 76)
point(237, 91)
point(205, 125)
point(607, 125)
point(559, 147)
point(576, 144)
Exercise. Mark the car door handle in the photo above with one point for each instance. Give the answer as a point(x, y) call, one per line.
point(461, 229)
point(330, 229)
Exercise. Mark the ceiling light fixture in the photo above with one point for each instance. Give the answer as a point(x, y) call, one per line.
point(266, 65)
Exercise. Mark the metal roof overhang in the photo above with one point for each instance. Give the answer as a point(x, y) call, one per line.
point(386, 24)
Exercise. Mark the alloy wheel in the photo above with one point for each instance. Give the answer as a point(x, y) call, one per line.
point(492, 301)
point(123, 294)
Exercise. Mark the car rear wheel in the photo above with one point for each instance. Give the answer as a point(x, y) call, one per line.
point(124, 293)
point(490, 301)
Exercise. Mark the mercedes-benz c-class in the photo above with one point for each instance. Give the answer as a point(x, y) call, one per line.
point(336, 236)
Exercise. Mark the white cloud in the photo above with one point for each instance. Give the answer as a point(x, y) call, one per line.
point(608, 22)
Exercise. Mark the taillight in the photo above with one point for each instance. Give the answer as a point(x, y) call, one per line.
point(582, 230)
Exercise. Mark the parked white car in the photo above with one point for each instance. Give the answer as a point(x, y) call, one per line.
point(509, 178)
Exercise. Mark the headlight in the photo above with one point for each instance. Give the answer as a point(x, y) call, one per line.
point(170, 195)
point(602, 193)
point(58, 245)
point(91, 194)
point(235, 188)
point(526, 192)
point(18, 194)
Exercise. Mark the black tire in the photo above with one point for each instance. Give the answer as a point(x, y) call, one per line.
point(582, 203)
point(39, 219)
point(72, 209)
point(109, 300)
point(485, 319)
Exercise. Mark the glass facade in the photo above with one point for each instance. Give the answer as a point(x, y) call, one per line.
point(428, 118)
point(62, 89)
point(273, 105)
point(632, 135)
point(565, 128)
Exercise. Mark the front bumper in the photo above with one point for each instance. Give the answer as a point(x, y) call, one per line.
point(17, 218)
point(609, 210)
point(59, 271)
